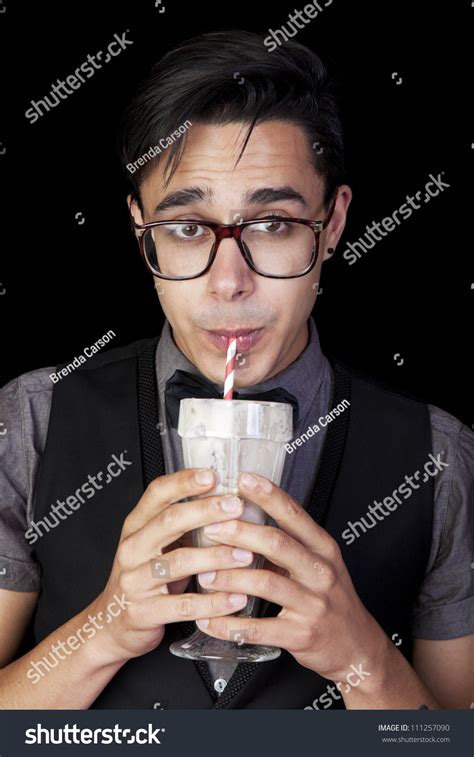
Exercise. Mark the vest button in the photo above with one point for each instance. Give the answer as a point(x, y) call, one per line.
point(220, 684)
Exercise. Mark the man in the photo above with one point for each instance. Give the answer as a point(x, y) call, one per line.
point(385, 597)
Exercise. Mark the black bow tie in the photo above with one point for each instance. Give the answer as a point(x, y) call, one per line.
point(182, 385)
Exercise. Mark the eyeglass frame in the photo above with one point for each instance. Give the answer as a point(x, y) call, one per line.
point(233, 231)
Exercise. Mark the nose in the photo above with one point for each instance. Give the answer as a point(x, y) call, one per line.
point(229, 276)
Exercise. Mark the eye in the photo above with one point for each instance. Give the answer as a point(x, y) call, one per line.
point(272, 226)
point(186, 231)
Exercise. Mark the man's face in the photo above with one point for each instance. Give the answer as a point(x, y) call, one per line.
point(230, 295)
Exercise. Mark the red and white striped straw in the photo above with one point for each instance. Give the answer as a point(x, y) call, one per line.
point(230, 367)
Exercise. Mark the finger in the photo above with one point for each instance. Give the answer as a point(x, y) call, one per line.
point(259, 583)
point(288, 513)
point(268, 565)
point(277, 546)
point(276, 632)
point(171, 524)
point(181, 563)
point(174, 608)
point(163, 491)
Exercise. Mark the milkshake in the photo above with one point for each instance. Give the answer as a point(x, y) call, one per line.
point(230, 437)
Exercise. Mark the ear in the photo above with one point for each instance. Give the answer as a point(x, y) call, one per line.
point(135, 211)
point(336, 225)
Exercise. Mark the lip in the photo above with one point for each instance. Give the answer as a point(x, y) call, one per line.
point(246, 338)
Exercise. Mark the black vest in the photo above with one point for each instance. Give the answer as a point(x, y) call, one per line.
point(109, 405)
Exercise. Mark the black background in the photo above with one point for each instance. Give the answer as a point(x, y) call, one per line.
point(68, 284)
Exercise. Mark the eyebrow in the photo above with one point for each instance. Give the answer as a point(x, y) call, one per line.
point(183, 197)
point(261, 196)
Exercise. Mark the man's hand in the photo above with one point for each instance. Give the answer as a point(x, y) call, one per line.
point(323, 623)
point(153, 565)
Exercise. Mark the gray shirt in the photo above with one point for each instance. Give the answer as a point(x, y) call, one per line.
point(444, 607)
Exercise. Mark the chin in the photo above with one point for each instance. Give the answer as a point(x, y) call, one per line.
point(244, 379)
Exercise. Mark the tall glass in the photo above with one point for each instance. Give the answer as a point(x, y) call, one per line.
point(233, 436)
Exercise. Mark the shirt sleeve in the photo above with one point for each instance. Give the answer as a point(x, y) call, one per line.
point(445, 605)
point(25, 404)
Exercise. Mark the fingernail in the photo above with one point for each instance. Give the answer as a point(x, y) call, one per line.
point(212, 528)
point(249, 481)
point(237, 599)
point(242, 555)
point(202, 623)
point(204, 476)
point(208, 577)
point(230, 504)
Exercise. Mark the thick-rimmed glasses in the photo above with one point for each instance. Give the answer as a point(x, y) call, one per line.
point(273, 246)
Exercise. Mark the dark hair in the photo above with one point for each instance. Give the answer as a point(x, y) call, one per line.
point(199, 82)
